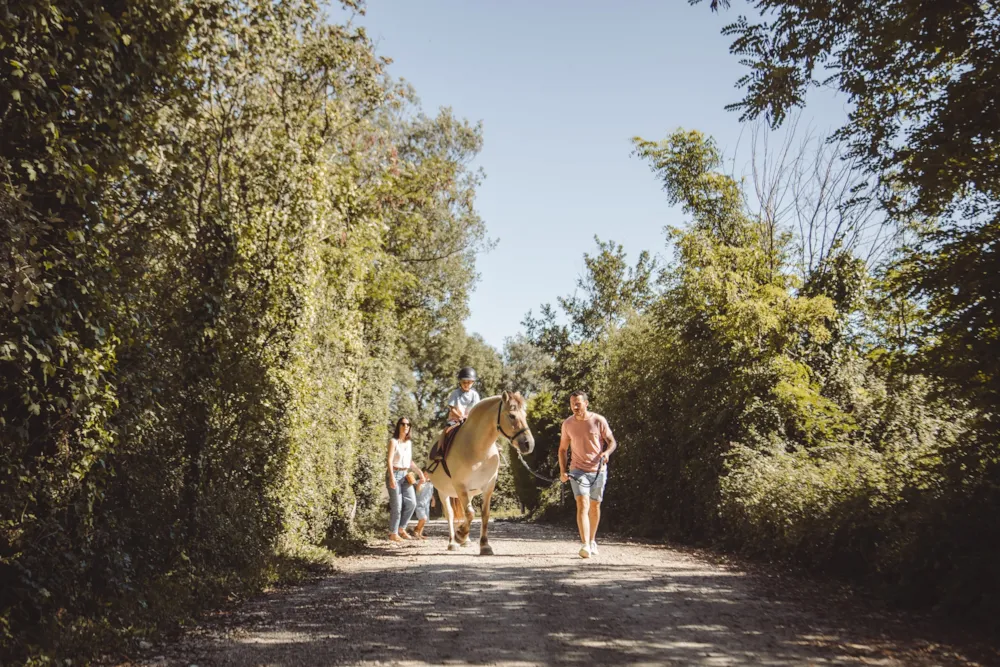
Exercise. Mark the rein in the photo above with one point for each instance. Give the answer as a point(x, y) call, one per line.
point(519, 457)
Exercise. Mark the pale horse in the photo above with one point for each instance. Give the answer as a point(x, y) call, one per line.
point(474, 463)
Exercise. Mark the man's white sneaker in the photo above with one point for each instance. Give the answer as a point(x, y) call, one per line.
point(593, 548)
point(585, 551)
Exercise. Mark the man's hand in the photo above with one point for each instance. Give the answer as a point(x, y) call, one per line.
point(604, 457)
point(392, 482)
point(563, 477)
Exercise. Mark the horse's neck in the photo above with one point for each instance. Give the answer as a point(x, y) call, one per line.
point(482, 420)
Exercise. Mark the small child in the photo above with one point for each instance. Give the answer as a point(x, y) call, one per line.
point(462, 399)
point(425, 501)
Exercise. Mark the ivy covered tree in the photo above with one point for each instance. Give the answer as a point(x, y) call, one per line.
point(219, 226)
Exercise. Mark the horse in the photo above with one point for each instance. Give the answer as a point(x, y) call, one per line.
point(474, 462)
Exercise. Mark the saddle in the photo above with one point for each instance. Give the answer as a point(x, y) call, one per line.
point(439, 452)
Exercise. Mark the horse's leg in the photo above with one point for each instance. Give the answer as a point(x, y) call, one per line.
point(462, 532)
point(449, 511)
point(459, 511)
point(484, 544)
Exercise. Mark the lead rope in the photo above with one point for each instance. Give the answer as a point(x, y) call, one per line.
point(528, 468)
point(562, 487)
point(548, 480)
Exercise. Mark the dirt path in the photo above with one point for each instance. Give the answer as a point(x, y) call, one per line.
point(536, 602)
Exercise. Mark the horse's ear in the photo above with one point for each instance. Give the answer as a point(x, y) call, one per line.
point(505, 397)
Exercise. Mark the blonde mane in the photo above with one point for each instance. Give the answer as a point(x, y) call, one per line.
point(516, 401)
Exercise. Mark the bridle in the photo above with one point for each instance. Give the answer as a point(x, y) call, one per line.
point(500, 428)
point(517, 449)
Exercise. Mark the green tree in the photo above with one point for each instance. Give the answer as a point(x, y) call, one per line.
point(922, 78)
point(574, 355)
point(716, 359)
point(211, 268)
point(526, 367)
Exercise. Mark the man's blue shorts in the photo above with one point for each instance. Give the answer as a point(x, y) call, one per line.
point(589, 483)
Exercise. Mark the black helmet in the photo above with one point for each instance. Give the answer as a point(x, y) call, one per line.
point(467, 373)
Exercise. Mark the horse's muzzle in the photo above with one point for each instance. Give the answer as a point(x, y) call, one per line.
point(525, 444)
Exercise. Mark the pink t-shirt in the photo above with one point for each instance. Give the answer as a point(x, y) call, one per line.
point(586, 438)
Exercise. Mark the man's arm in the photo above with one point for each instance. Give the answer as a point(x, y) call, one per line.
point(563, 446)
point(609, 439)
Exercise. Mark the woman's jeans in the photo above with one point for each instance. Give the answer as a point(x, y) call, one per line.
point(402, 501)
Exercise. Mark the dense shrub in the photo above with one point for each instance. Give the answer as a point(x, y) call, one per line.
point(774, 409)
point(201, 287)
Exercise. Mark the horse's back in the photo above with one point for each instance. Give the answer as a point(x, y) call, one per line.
point(474, 477)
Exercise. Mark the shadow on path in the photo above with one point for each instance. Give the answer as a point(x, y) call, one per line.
point(537, 603)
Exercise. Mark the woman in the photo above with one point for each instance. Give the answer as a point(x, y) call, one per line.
point(402, 500)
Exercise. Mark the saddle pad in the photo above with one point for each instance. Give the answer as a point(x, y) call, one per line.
point(439, 452)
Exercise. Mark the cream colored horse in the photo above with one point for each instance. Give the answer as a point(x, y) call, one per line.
point(474, 462)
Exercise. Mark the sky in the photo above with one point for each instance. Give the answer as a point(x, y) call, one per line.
point(561, 87)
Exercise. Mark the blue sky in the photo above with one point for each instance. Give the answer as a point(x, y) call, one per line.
point(561, 87)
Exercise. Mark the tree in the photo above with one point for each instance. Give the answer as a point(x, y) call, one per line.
point(923, 79)
point(214, 253)
point(612, 291)
point(611, 288)
point(526, 367)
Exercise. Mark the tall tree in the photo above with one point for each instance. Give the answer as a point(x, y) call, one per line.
point(923, 79)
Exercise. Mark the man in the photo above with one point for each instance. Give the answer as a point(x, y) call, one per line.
point(585, 434)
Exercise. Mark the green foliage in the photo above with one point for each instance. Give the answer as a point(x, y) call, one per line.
point(572, 356)
point(922, 79)
point(216, 218)
point(545, 417)
point(777, 411)
point(919, 75)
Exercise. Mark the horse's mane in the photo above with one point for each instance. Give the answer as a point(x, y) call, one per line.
point(514, 399)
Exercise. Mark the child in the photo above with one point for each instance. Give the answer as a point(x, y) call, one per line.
point(425, 501)
point(462, 399)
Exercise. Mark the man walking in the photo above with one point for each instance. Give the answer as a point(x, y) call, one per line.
point(585, 434)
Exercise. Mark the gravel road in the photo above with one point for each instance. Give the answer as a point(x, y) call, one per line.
point(536, 602)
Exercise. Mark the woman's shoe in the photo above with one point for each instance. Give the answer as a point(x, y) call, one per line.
point(393, 537)
point(403, 534)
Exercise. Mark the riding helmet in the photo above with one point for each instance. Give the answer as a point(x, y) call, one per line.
point(467, 373)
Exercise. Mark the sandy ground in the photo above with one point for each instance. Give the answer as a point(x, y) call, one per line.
point(536, 602)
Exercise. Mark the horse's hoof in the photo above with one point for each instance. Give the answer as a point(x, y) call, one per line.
point(463, 543)
point(486, 550)
point(452, 546)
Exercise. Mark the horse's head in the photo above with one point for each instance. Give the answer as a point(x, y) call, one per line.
point(513, 422)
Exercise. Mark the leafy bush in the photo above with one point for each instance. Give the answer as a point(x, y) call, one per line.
point(202, 283)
